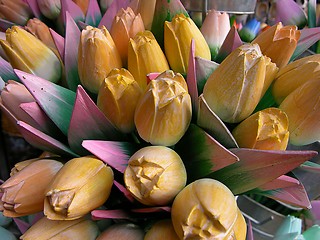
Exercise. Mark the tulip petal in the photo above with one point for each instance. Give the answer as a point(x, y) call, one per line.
point(6, 71)
point(56, 101)
point(58, 41)
point(72, 40)
point(204, 68)
point(213, 125)
point(42, 141)
point(191, 79)
point(124, 190)
point(111, 12)
point(93, 16)
point(109, 214)
point(257, 167)
point(88, 122)
point(115, 154)
point(206, 155)
point(71, 8)
point(35, 8)
point(22, 225)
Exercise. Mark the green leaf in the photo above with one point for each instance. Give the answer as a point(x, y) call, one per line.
point(6, 71)
point(191, 80)
point(93, 15)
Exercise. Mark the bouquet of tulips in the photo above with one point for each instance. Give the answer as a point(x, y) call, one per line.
point(150, 125)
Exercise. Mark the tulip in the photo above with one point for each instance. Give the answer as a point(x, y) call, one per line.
point(125, 25)
point(24, 192)
point(234, 89)
point(82, 185)
point(75, 229)
point(215, 29)
point(27, 53)
point(206, 209)
point(303, 111)
point(97, 56)
point(50, 8)
point(155, 175)
point(177, 41)
point(122, 231)
point(168, 107)
point(18, 167)
point(118, 97)
point(294, 75)
point(17, 11)
point(162, 229)
point(143, 50)
point(146, 9)
point(278, 43)
point(265, 130)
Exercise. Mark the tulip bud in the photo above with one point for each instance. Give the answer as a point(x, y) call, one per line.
point(177, 41)
point(294, 75)
point(162, 229)
point(17, 11)
point(303, 111)
point(278, 43)
point(97, 56)
point(143, 50)
point(235, 88)
point(21, 165)
point(206, 209)
point(122, 231)
point(82, 185)
point(164, 111)
point(75, 229)
point(117, 99)
point(50, 8)
point(155, 175)
point(24, 192)
point(265, 130)
point(125, 26)
point(27, 53)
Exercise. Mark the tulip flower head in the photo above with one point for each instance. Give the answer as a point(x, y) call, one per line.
point(122, 231)
point(17, 11)
point(154, 175)
point(82, 185)
point(50, 8)
point(162, 229)
point(164, 111)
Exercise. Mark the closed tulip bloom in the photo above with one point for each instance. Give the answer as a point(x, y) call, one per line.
point(265, 130)
point(97, 56)
point(125, 25)
point(18, 167)
point(234, 89)
point(50, 8)
point(294, 75)
point(302, 108)
point(122, 231)
point(75, 229)
point(278, 43)
point(145, 56)
point(164, 111)
point(177, 41)
point(17, 11)
point(162, 229)
point(29, 54)
point(118, 97)
point(155, 175)
point(206, 209)
point(24, 192)
point(82, 185)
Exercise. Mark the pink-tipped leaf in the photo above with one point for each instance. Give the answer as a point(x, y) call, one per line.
point(191, 79)
point(111, 12)
point(74, 11)
point(33, 4)
point(6, 71)
point(22, 225)
point(93, 16)
point(110, 214)
point(204, 68)
point(152, 209)
point(124, 190)
point(58, 41)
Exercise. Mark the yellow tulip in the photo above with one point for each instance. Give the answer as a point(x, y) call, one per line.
point(266, 129)
point(75, 229)
point(18, 167)
point(146, 9)
point(207, 209)
point(27, 53)
point(50, 8)
point(145, 56)
point(177, 41)
point(97, 56)
point(82, 185)
point(24, 191)
point(164, 111)
point(155, 175)
point(235, 88)
point(125, 25)
point(162, 229)
point(294, 75)
point(117, 99)
point(278, 43)
point(303, 110)
point(17, 11)
point(122, 231)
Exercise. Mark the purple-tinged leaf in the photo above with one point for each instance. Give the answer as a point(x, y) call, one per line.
point(56, 101)
point(204, 68)
point(315, 210)
point(72, 40)
point(36, 217)
point(202, 154)
point(93, 16)
point(249, 231)
point(257, 167)
point(124, 190)
point(82, 25)
point(111, 12)
point(310, 167)
point(58, 41)
point(22, 225)
point(152, 209)
point(191, 79)
point(152, 76)
point(33, 4)
point(312, 16)
point(5, 24)
point(43, 141)
point(109, 214)
point(6, 71)
point(213, 125)
point(88, 122)
point(115, 154)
